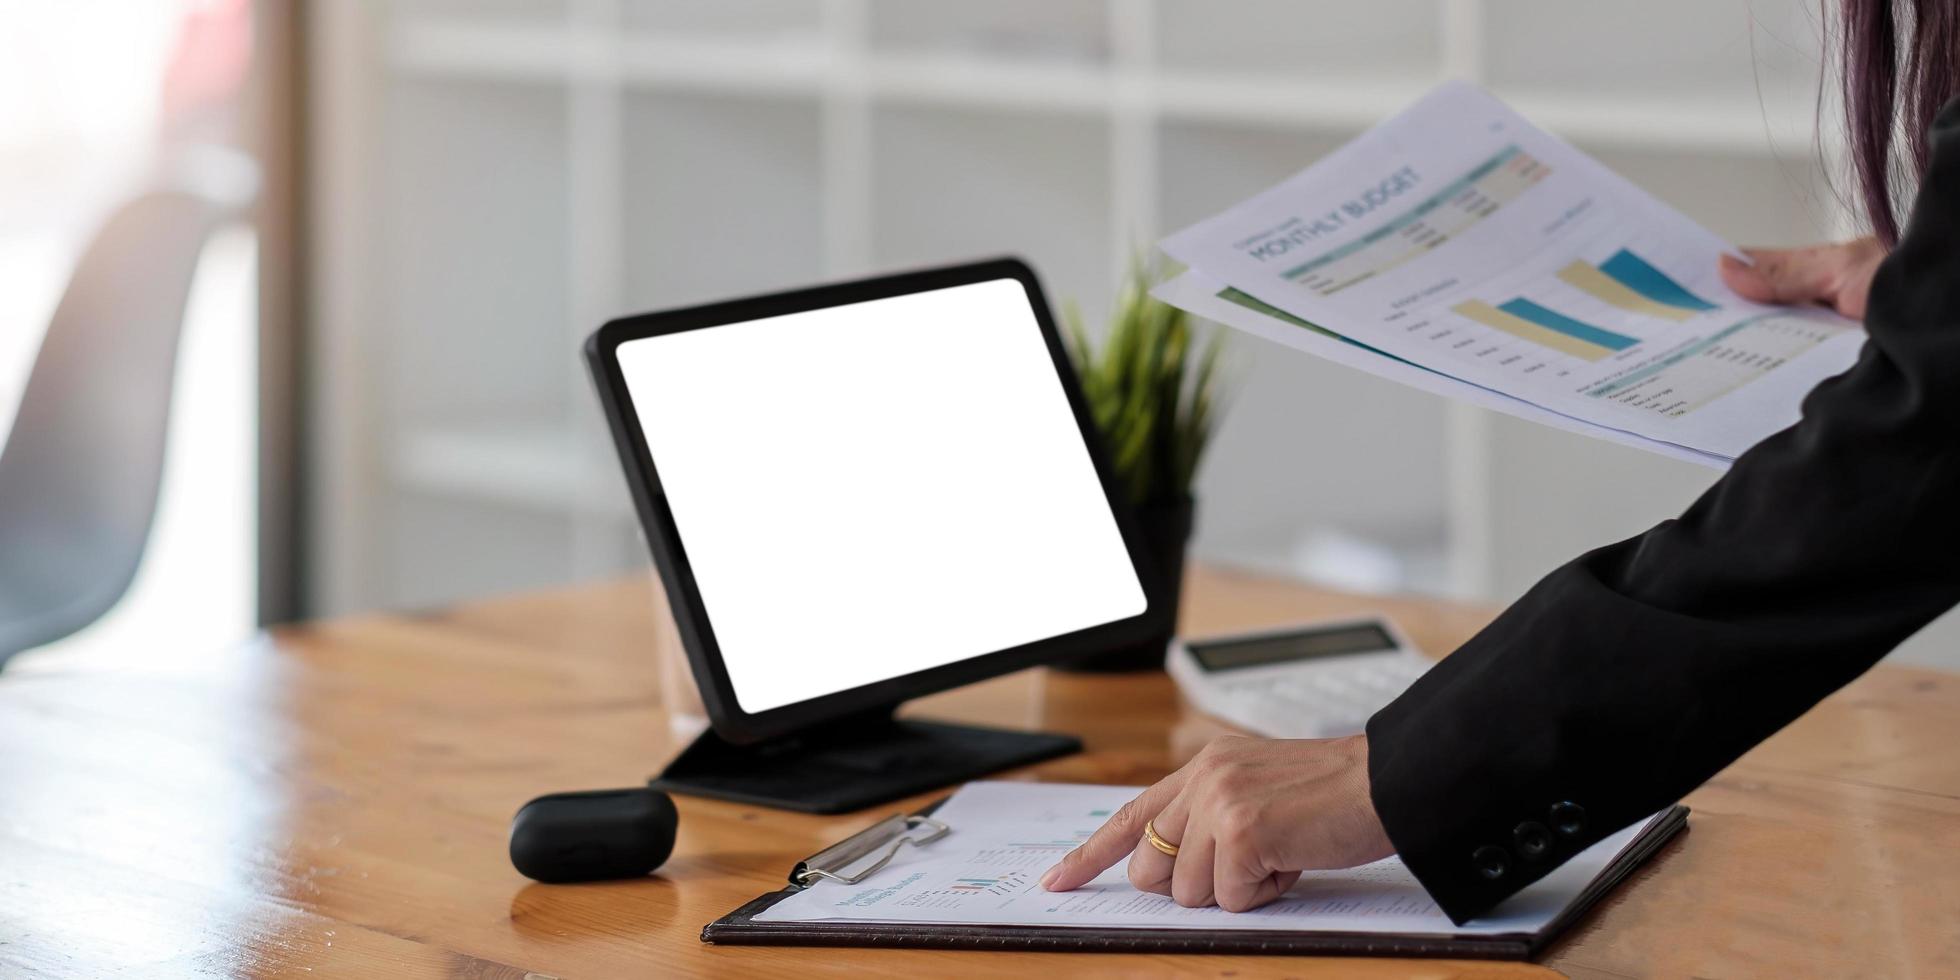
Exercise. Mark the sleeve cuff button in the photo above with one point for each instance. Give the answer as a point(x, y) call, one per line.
point(1533, 840)
point(1492, 862)
point(1568, 818)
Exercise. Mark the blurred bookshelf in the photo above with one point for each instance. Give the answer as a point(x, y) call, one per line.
point(501, 177)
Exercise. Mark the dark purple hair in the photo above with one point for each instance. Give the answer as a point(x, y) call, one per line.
point(1899, 64)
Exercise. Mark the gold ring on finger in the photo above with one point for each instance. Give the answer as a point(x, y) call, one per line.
point(1157, 840)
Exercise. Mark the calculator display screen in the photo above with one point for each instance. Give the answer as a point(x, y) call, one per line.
point(1259, 651)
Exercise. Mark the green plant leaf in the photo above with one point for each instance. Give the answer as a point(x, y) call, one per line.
point(1153, 400)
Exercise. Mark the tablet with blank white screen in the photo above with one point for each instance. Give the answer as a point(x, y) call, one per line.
point(869, 490)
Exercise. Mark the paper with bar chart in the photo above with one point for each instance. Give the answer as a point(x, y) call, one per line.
point(1006, 834)
point(1461, 240)
point(1220, 303)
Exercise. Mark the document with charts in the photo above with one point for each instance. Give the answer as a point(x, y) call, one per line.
point(988, 870)
point(1220, 303)
point(1462, 240)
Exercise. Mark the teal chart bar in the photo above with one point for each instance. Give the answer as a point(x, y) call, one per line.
point(1525, 309)
point(1634, 273)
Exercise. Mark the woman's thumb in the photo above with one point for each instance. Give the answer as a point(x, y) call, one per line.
point(1778, 275)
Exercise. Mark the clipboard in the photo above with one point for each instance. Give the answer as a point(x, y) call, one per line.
point(888, 837)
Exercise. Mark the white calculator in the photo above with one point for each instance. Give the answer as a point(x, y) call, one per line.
point(1318, 680)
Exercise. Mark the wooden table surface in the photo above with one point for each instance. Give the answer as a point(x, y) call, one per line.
point(333, 799)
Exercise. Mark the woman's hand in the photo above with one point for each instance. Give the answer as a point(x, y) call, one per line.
point(1838, 276)
point(1246, 816)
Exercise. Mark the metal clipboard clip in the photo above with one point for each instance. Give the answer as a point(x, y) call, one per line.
point(886, 836)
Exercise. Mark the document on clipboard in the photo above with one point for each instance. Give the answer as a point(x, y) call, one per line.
point(967, 876)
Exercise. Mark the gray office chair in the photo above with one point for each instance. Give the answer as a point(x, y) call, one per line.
point(80, 471)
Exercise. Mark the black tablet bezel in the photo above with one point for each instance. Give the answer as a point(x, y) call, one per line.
point(726, 714)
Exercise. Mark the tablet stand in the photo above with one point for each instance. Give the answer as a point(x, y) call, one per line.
point(853, 762)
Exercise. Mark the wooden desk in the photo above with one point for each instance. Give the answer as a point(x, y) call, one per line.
point(333, 801)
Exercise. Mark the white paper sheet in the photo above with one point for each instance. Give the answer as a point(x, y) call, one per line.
point(1005, 835)
point(1210, 299)
point(1463, 240)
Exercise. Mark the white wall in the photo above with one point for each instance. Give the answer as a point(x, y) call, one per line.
point(534, 166)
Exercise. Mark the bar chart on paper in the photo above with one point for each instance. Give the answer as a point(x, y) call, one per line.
point(1629, 282)
point(967, 892)
point(1624, 288)
point(1593, 310)
point(1526, 320)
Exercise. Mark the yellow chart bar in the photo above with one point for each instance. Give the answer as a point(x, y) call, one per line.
point(1610, 290)
point(1491, 316)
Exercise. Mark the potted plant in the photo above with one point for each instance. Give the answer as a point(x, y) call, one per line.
point(1151, 390)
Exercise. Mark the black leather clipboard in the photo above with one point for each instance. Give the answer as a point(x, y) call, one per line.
point(740, 927)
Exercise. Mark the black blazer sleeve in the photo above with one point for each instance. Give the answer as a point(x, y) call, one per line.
point(1631, 675)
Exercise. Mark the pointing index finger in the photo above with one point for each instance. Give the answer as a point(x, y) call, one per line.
point(1113, 839)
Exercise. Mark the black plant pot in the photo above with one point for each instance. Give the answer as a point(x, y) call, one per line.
point(1165, 528)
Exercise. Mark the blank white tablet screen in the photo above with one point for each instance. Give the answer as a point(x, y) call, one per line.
point(870, 490)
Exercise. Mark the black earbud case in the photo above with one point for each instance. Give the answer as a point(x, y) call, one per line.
point(594, 835)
